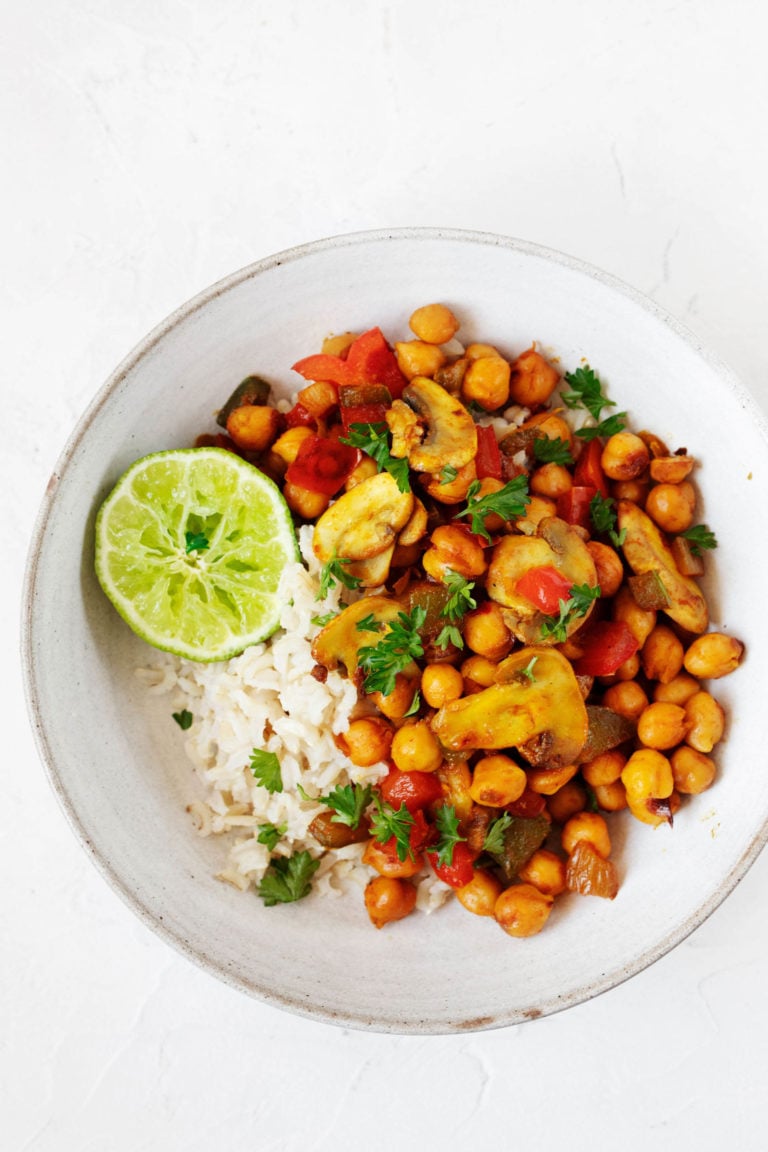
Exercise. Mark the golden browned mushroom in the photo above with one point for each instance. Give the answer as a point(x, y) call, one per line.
point(646, 550)
point(362, 524)
point(341, 639)
point(535, 706)
point(451, 435)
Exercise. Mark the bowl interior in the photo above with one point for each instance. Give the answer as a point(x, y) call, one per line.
point(116, 759)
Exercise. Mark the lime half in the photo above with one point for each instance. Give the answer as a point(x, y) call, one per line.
point(190, 547)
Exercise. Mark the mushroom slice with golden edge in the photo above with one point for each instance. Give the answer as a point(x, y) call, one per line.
point(646, 550)
point(451, 435)
point(341, 639)
point(554, 545)
point(416, 527)
point(536, 697)
point(363, 522)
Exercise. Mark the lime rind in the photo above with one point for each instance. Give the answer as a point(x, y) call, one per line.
point(190, 547)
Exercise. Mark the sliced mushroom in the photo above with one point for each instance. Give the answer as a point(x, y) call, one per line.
point(416, 526)
point(374, 572)
point(535, 698)
point(451, 436)
point(407, 431)
point(645, 550)
point(341, 639)
point(555, 545)
point(363, 522)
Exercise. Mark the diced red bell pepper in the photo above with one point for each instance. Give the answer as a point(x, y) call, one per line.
point(416, 790)
point(322, 465)
point(573, 505)
point(488, 460)
point(369, 360)
point(300, 417)
point(363, 414)
point(529, 805)
point(605, 646)
point(588, 472)
point(418, 836)
point(461, 869)
point(545, 587)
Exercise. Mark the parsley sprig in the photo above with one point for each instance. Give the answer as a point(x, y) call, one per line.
point(398, 646)
point(509, 502)
point(196, 542)
point(373, 439)
point(459, 602)
point(270, 834)
point(587, 392)
point(555, 451)
point(349, 802)
point(183, 719)
point(266, 770)
point(288, 878)
point(602, 513)
point(387, 823)
point(700, 536)
point(494, 836)
point(332, 573)
point(448, 474)
point(578, 604)
point(447, 823)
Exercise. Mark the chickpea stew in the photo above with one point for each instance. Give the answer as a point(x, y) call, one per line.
point(521, 615)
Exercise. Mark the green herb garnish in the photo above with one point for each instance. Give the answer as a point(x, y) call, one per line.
point(448, 826)
point(578, 604)
point(602, 513)
point(528, 670)
point(387, 823)
point(369, 624)
point(449, 634)
point(398, 646)
point(373, 439)
point(334, 572)
point(415, 705)
point(555, 451)
point(321, 621)
point(699, 537)
point(348, 801)
point(183, 719)
point(288, 878)
point(196, 542)
point(587, 392)
point(607, 427)
point(508, 503)
point(448, 473)
point(494, 836)
point(270, 834)
point(266, 770)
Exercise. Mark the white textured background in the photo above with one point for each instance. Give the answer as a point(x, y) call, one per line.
point(147, 150)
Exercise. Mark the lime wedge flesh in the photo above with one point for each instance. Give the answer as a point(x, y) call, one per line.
point(190, 547)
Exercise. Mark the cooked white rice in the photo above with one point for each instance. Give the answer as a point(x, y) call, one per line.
point(267, 698)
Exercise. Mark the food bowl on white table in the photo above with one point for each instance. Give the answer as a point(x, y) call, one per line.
point(117, 766)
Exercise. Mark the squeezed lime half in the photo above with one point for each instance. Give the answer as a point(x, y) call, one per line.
point(190, 547)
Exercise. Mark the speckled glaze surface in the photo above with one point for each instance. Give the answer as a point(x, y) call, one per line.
point(117, 765)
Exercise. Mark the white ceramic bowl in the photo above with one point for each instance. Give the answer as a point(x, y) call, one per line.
point(116, 764)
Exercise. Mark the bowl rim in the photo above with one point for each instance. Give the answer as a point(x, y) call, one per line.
point(29, 597)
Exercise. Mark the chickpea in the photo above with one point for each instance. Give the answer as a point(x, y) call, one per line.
point(307, 504)
point(522, 910)
point(608, 565)
point(434, 324)
point(416, 358)
point(486, 382)
point(485, 632)
point(492, 522)
point(552, 426)
point(453, 548)
point(497, 781)
point(480, 351)
point(640, 621)
point(367, 741)
point(338, 345)
point(634, 490)
point(692, 771)
point(589, 826)
point(388, 899)
point(551, 480)
point(415, 748)
point(387, 863)
point(399, 701)
point(662, 654)
point(453, 491)
point(625, 456)
point(672, 506)
point(653, 810)
point(287, 446)
point(547, 781)
point(712, 656)
point(627, 698)
point(647, 774)
point(671, 469)
point(536, 511)
point(253, 427)
point(605, 768)
point(566, 802)
point(661, 726)
point(705, 721)
point(364, 470)
point(479, 670)
point(677, 690)
point(441, 683)
point(626, 671)
point(611, 797)
point(546, 871)
point(533, 379)
point(480, 895)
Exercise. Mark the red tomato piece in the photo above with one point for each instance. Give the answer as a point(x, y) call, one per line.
point(588, 472)
point(545, 587)
point(300, 417)
point(605, 646)
point(573, 506)
point(369, 360)
point(488, 459)
point(461, 869)
point(363, 414)
point(322, 465)
point(419, 835)
point(528, 805)
point(414, 789)
point(324, 367)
